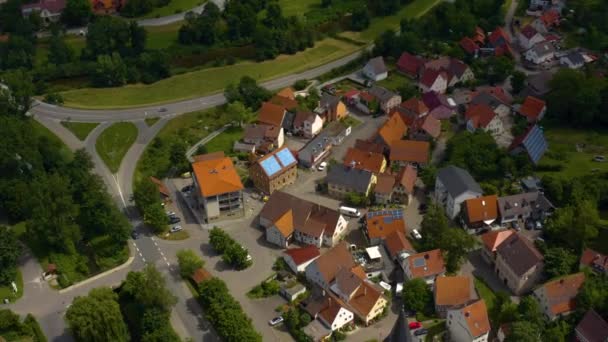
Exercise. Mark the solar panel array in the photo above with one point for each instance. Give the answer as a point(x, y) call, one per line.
point(419, 262)
point(393, 214)
point(278, 161)
point(535, 144)
point(285, 157)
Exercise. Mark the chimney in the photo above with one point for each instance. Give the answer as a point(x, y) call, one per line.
point(467, 314)
point(426, 256)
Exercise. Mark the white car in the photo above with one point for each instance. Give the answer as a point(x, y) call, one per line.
point(176, 229)
point(322, 166)
point(416, 235)
point(170, 213)
point(385, 286)
point(275, 321)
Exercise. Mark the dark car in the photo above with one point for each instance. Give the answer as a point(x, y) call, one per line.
point(187, 188)
point(174, 219)
point(420, 332)
point(134, 235)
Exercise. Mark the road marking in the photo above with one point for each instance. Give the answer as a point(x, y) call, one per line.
point(137, 248)
point(140, 255)
point(155, 244)
point(144, 259)
point(161, 253)
point(152, 238)
point(164, 258)
point(122, 198)
point(168, 265)
point(134, 245)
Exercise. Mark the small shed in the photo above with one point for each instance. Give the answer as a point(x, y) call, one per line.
point(291, 293)
point(374, 253)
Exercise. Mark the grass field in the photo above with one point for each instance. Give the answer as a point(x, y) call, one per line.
point(114, 142)
point(80, 129)
point(175, 6)
point(7, 291)
point(394, 81)
point(378, 25)
point(297, 7)
point(485, 293)
point(563, 150)
point(224, 141)
point(206, 81)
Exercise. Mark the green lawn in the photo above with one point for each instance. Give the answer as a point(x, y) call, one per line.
point(80, 129)
point(43, 131)
point(114, 142)
point(562, 150)
point(486, 293)
point(297, 7)
point(162, 37)
point(7, 291)
point(175, 6)
point(351, 121)
point(206, 81)
point(394, 81)
point(224, 141)
point(378, 25)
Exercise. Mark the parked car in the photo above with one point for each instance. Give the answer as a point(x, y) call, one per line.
point(538, 225)
point(275, 321)
point(529, 225)
point(415, 325)
point(599, 159)
point(176, 229)
point(134, 235)
point(515, 225)
point(420, 332)
point(174, 220)
point(170, 213)
point(187, 188)
point(385, 286)
point(322, 166)
point(416, 235)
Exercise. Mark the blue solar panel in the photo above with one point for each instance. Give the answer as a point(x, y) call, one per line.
point(285, 157)
point(419, 262)
point(270, 165)
point(535, 144)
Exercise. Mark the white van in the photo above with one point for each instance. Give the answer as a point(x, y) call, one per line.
point(416, 235)
point(348, 211)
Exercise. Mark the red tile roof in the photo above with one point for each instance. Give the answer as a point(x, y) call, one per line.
point(491, 240)
point(216, 176)
point(430, 76)
point(393, 130)
point(528, 31)
point(550, 18)
point(429, 124)
point(200, 275)
point(468, 45)
point(497, 35)
point(483, 208)
point(410, 151)
point(271, 114)
point(452, 291)
point(162, 188)
point(380, 226)
point(396, 242)
point(592, 258)
point(369, 161)
point(303, 254)
point(407, 178)
point(480, 115)
point(561, 293)
point(433, 264)
point(532, 108)
point(476, 316)
point(409, 64)
point(415, 106)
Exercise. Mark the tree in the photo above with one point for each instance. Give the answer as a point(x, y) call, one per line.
point(248, 92)
point(237, 112)
point(360, 19)
point(17, 98)
point(236, 256)
point(147, 199)
point(593, 295)
point(518, 81)
point(97, 317)
point(59, 52)
point(417, 295)
point(478, 153)
point(154, 66)
point(110, 71)
point(188, 262)
point(433, 225)
point(10, 249)
point(523, 332)
point(219, 240)
point(529, 311)
point(559, 261)
point(156, 327)
point(148, 287)
point(455, 244)
point(76, 13)
point(574, 225)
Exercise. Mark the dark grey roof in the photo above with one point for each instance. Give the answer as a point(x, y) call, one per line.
point(519, 253)
point(350, 178)
point(523, 204)
point(575, 58)
point(288, 120)
point(382, 94)
point(531, 184)
point(543, 48)
point(401, 330)
point(540, 82)
point(316, 146)
point(457, 181)
point(328, 101)
point(377, 65)
point(487, 99)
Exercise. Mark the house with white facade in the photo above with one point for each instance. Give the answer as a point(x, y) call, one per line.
point(557, 298)
point(453, 186)
point(299, 258)
point(540, 53)
point(433, 80)
point(375, 69)
point(307, 124)
point(529, 36)
point(470, 323)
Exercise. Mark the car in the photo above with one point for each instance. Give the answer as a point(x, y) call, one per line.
point(385, 286)
point(539, 239)
point(162, 110)
point(322, 166)
point(187, 188)
point(515, 225)
point(416, 235)
point(170, 213)
point(529, 225)
point(599, 159)
point(176, 229)
point(174, 220)
point(415, 325)
point(420, 332)
point(538, 225)
point(275, 321)
point(134, 234)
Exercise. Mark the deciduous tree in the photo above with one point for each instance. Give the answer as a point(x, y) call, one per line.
point(188, 262)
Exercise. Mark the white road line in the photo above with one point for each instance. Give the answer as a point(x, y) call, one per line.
point(152, 238)
point(164, 258)
point(168, 265)
point(161, 253)
point(155, 244)
point(144, 259)
point(137, 248)
point(122, 198)
point(141, 255)
point(134, 245)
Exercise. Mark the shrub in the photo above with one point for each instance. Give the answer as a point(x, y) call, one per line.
point(53, 98)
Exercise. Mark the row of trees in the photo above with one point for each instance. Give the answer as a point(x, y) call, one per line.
point(68, 212)
point(10, 250)
point(13, 329)
point(232, 252)
point(138, 311)
point(147, 200)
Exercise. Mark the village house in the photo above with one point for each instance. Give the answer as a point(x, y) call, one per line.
point(480, 212)
point(410, 65)
point(456, 71)
point(433, 80)
point(557, 298)
point(320, 146)
point(532, 142)
point(482, 116)
point(494, 97)
point(426, 128)
point(540, 53)
point(524, 206)
point(426, 266)
point(163, 191)
point(453, 186)
point(331, 108)
point(412, 109)
point(409, 152)
point(440, 106)
point(217, 187)
point(533, 109)
point(342, 180)
point(529, 36)
point(470, 323)
point(364, 160)
point(539, 84)
point(49, 10)
point(330, 311)
point(375, 69)
point(518, 264)
point(380, 224)
point(307, 124)
point(500, 41)
point(387, 100)
point(596, 261)
point(398, 246)
point(491, 240)
point(103, 7)
point(286, 218)
point(592, 328)
point(573, 60)
point(274, 171)
point(469, 46)
point(393, 129)
point(271, 114)
point(452, 293)
point(322, 271)
point(299, 258)
point(264, 137)
point(399, 188)
point(285, 98)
